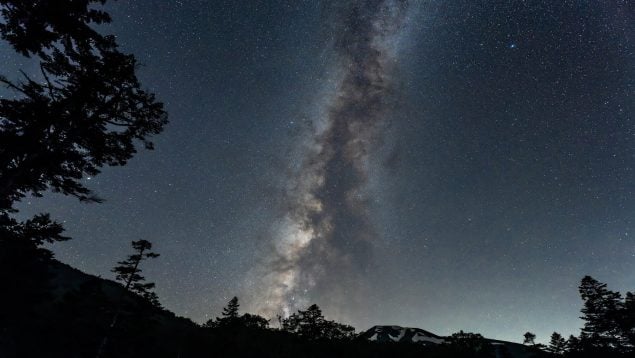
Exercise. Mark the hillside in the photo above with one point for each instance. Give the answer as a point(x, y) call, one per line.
point(74, 319)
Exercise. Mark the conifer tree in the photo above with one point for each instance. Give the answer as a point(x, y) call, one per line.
point(230, 317)
point(573, 344)
point(129, 273)
point(557, 344)
point(231, 310)
point(601, 312)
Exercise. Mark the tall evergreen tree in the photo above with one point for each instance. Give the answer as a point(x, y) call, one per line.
point(231, 310)
point(229, 315)
point(573, 344)
point(557, 344)
point(601, 312)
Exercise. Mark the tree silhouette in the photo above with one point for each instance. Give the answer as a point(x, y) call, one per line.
point(229, 315)
point(32, 27)
point(627, 321)
point(529, 338)
point(312, 325)
point(306, 323)
point(601, 312)
point(231, 310)
point(85, 111)
point(465, 343)
point(129, 273)
point(573, 344)
point(231, 319)
point(557, 344)
point(254, 321)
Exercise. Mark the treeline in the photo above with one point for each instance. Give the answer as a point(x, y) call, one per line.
point(609, 325)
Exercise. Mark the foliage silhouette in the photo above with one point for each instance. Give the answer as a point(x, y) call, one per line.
point(231, 310)
point(129, 273)
point(231, 318)
point(468, 344)
point(608, 324)
point(85, 109)
point(557, 344)
point(311, 324)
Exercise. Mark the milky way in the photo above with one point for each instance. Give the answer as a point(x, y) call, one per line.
point(324, 244)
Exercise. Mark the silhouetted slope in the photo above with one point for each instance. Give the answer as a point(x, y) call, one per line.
point(73, 322)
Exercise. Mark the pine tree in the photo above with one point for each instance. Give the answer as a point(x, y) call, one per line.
point(558, 344)
point(129, 273)
point(231, 310)
point(573, 344)
point(601, 312)
point(231, 318)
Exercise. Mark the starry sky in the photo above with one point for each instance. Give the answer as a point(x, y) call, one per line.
point(448, 165)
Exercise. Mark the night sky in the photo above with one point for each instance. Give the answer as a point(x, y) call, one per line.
point(448, 165)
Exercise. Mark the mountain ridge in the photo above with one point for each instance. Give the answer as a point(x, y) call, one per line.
point(414, 335)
